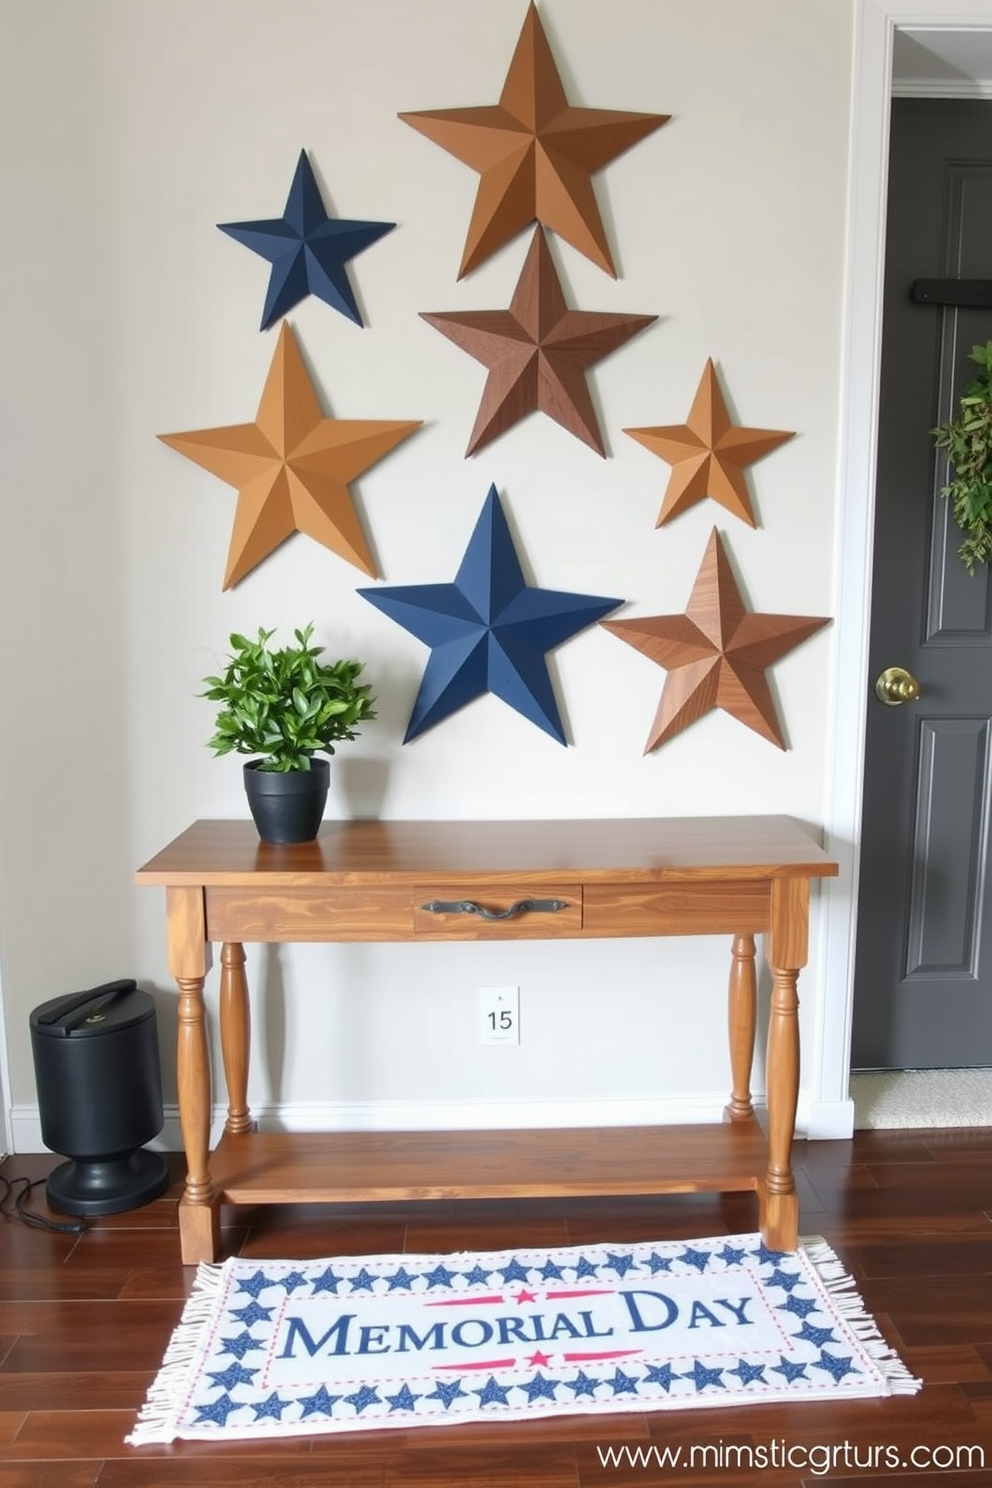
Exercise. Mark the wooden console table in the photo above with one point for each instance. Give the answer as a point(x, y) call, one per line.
point(410, 881)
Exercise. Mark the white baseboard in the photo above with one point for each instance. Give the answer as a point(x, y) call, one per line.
point(816, 1118)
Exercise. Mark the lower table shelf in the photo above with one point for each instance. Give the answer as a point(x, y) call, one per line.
point(365, 1167)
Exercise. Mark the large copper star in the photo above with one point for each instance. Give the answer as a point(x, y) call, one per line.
point(291, 467)
point(537, 352)
point(708, 453)
point(715, 653)
point(535, 154)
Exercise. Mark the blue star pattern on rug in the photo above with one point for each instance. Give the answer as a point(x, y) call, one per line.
point(363, 1342)
point(308, 250)
point(488, 631)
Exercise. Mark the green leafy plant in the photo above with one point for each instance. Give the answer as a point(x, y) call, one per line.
point(967, 438)
point(283, 705)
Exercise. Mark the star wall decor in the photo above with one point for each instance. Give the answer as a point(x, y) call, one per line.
point(292, 467)
point(716, 653)
point(708, 453)
point(488, 631)
point(537, 352)
point(535, 154)
point(307, 249)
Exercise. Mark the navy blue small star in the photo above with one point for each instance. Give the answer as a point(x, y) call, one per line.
point(731, 1255)
point(440, 1276)
point(272, 1407)
point(401, 1279)
point(584, 1267)
point(539, 1388)
point(255, 1285)
point(363, 1281)
point(702, 1376)
point(658, 1263)
point(363, 1398)
point(307, 249)
point(581, 1384)
point(242, 1344)
point(253, 1313)
point(698, 1258)
point(320, 1404)
point(327, 1281)
point(789, 1370)
point(834, 1365)
point(660, 1374)
point(513, 1272)
point(447, 1393)
point(291, 1281)
point(488, 631)
point(623, 1384)
point(765, 1255)
point(817, 1336)
point(217, 1411)
point(403, 1400)
point(801, 1306)
point(621, 1264)
point(784, 1279)
point(234, 1374)
point(478, 1276)
point(748, 1373)
point(550, 1272)
point(492, 1393)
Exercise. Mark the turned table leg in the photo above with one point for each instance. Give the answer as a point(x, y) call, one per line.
point(787, 950)
point(235, 1036)
point(742, 1012)
point(199, 1214)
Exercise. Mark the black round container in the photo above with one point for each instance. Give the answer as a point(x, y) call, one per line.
point(287, 805)
point(100, 1097)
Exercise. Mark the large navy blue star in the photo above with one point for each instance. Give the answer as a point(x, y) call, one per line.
point(307, 249)
point(488, 630)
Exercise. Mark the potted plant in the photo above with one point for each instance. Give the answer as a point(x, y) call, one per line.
point(967, 438)
point(282, 706)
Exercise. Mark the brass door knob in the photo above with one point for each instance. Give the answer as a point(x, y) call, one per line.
point(895, 686)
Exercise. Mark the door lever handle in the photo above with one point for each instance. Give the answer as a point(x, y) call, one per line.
point(895, 686)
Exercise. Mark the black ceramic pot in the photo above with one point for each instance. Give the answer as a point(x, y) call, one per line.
point(287, 805)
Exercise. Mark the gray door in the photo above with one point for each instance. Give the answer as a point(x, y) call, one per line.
point(923, 979)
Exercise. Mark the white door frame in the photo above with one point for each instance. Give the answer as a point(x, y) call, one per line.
point(876, 22)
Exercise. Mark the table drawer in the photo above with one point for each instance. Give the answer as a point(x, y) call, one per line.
point(388, 912)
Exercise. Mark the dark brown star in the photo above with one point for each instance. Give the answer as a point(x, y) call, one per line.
point(708, 453)
point(535, 154)
point(715, 653)
point(537, 352)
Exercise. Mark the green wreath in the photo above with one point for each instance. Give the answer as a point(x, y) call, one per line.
point(967, 438)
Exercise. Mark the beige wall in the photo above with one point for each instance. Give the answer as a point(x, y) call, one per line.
point(128, 129)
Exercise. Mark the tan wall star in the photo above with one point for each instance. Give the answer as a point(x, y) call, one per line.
point(292, 467)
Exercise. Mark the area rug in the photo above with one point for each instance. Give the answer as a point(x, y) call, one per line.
point(288, 1348)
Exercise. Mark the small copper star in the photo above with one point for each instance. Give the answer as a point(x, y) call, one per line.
point(708, 453)
point(291, 467)
point(535, 154)
point(537, 352)
point(715, 653)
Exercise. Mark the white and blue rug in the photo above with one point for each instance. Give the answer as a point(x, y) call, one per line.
point(359, 1343)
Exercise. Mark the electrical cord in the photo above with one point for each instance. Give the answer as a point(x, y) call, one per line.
point(16, 1192)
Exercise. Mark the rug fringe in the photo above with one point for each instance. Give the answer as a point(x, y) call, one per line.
point(840, 1287)
point(156, 1418)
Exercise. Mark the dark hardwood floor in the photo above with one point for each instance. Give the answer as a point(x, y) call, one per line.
point(84, 1322)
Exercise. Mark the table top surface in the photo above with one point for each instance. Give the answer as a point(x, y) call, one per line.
point(610, 849)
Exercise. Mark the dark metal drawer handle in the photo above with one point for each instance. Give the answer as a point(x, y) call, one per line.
point(469, 906)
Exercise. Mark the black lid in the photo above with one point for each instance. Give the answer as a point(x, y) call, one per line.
point(84, 1014)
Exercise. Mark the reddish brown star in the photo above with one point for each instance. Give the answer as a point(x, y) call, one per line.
point(715, 653)
point(291, 467)
point(535, 154)
point(708, 454)
point(537, 352)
